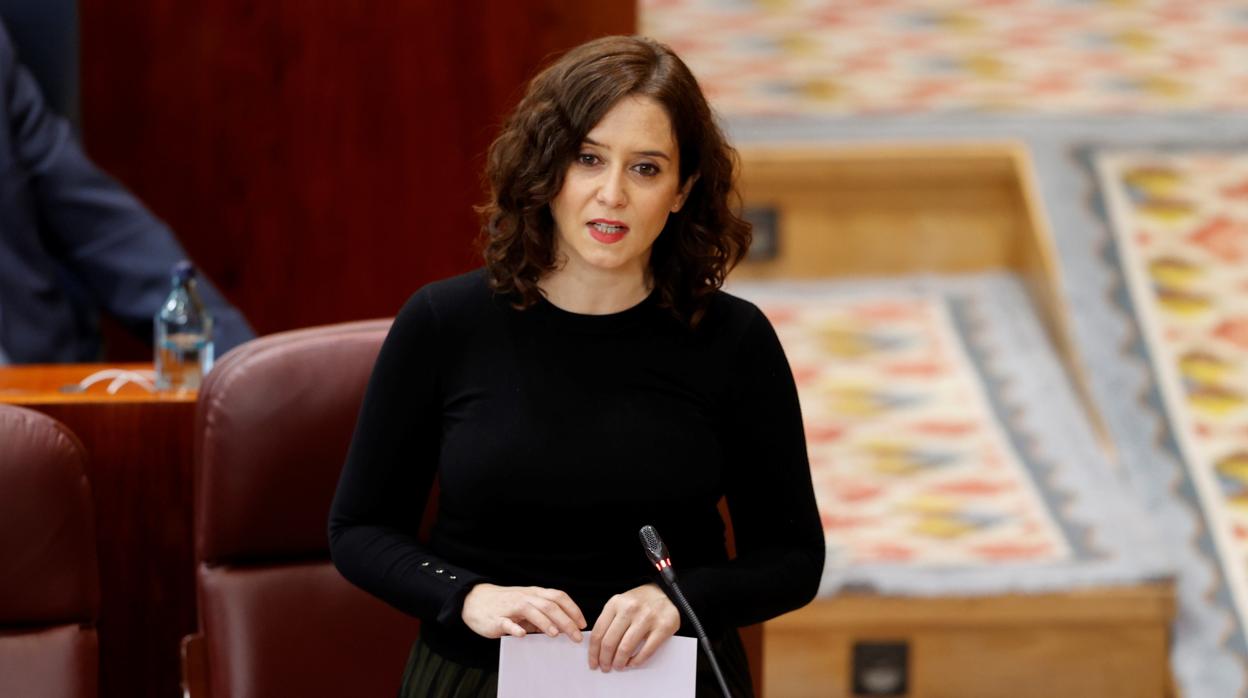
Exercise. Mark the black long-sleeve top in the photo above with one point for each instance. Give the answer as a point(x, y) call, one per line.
point(555, 437)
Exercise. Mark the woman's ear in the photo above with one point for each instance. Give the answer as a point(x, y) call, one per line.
point(684, 193)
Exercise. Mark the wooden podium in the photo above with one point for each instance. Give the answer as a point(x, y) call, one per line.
point(139, 447)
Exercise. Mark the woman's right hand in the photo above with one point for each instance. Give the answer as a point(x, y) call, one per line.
point(493, 611)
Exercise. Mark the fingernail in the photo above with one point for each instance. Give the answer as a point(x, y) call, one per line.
point(577, 636)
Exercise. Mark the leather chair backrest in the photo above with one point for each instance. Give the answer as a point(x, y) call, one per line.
point(49, 574)
point(273, 424)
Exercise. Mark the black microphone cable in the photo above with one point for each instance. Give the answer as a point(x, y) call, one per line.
point(657, 552)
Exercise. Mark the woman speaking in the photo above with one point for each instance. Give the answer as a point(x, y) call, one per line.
point(590, 379)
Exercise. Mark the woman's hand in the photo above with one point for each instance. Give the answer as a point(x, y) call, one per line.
point(632, 626)
point(493, 611)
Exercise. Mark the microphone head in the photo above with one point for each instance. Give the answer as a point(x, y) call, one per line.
point(653, 544)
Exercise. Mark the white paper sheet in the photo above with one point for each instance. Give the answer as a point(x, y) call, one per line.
point(537, 666)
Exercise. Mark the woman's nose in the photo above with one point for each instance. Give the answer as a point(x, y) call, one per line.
point(611, 190)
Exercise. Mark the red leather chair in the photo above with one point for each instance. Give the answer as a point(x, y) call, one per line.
point(273, 424)
point(49, 575)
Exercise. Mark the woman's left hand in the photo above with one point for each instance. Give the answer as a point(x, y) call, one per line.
point(632, 626)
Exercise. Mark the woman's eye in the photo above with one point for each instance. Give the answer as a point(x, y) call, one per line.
point(647, 170)
point(587, 159)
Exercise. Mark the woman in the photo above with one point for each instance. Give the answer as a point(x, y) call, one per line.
point(591, 379)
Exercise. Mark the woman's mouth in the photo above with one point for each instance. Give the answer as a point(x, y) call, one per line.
point(607, 232)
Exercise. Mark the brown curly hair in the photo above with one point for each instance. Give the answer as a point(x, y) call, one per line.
point(527, 162)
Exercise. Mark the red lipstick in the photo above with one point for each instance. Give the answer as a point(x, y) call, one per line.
point(606, 231)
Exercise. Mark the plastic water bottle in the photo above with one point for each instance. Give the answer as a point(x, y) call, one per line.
point(183, 332)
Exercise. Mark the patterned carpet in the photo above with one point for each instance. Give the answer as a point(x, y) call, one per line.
point(911, 464)
point(947, 449)
point(889, 56)
point(1180, 224)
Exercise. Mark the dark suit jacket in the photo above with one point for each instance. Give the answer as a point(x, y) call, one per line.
point(73, 241)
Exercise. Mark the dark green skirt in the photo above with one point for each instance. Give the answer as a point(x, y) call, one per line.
point(429, 675)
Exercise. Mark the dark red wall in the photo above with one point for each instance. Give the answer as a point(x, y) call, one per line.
point(318, 158)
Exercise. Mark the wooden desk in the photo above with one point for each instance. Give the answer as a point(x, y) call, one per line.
point(139, 448)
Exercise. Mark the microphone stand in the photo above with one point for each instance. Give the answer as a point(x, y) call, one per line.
point(657, 552)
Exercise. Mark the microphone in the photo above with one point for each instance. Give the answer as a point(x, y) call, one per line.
point(657, 552)
point(662, 561)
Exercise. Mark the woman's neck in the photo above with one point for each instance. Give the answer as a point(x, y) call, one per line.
point(594, 293)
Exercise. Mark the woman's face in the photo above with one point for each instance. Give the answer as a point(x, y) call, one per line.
point(619, 191)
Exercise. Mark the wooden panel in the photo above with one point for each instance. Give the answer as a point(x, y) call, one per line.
point(1104, 643)
point(1134, 604)
point(887, 210)
point(319, 159)
point(1024, 662)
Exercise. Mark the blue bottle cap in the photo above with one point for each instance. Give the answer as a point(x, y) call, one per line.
point(183, 270)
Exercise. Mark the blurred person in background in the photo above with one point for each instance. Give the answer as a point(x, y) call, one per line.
point(74, 242)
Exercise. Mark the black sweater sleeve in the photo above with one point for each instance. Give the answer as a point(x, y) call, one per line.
point(779, 537)
point(390, 468)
